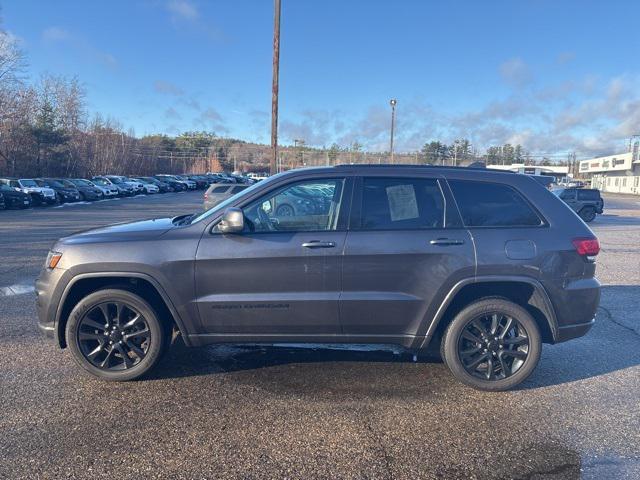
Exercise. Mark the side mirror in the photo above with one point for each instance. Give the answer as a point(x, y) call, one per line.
point(232, 221)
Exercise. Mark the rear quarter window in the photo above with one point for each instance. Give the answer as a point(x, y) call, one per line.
point(484, 204)
point(220, 189)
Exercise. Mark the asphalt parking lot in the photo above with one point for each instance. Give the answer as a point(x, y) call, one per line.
point(240, 412)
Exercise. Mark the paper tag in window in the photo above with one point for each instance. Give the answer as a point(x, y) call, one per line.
point(402, 202)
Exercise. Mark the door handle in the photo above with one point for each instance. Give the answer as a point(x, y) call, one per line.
point(318, 244)
point(446, 241)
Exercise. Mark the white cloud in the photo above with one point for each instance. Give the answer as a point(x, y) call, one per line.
point(516, 72)
point(182, 9)
point(550, 119)
point(168, 88)
point(55, 34)
point(565, 57)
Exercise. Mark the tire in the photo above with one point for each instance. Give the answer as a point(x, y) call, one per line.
point(285, 211)
point(36, 201)
point(86, 335)
point(518, 357)
point(588, 214)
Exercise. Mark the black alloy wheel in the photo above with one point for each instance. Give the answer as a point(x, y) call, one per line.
point(493, 346)
point(114, 336)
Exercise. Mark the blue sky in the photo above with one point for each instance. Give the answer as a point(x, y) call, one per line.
point(554, 76)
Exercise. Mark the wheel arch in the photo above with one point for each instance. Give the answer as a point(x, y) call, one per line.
point(139, 283)
point(524, 291)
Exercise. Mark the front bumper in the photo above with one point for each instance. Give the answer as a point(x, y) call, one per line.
point(48, 296)
point(17, 202)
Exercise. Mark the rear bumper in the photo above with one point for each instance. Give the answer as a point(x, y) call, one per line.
point(575, 302)
point(569, 332)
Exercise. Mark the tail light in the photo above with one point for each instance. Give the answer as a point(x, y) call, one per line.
point(206, 196)
point(589, 247)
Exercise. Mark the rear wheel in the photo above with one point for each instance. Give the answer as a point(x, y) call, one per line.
point(115, 335)
point(492, 344)
point(588, 214)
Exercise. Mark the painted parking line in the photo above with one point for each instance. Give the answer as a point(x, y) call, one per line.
point(16, 290)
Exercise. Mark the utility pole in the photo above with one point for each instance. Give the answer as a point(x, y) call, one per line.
point(274, 87)
point(393, 103)
point(455, 153)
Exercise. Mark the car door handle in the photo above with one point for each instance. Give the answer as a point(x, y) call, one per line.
point(317, 244)
point(446, 241)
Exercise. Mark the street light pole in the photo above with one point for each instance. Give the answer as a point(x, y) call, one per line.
point(274, 88)
point(393, 103)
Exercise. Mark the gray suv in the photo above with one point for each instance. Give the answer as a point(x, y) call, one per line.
point(586, 202)
point(483, 266)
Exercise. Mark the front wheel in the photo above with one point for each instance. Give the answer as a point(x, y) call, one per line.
point(492, 345)
point(115, 335)
point(285, 210)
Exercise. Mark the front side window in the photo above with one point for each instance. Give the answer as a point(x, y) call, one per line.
point(401, 204)
point(484, 204)
point(312, 205)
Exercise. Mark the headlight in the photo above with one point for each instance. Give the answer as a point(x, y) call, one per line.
point(52, 259)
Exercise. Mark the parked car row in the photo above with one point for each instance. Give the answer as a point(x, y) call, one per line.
point(42, 191)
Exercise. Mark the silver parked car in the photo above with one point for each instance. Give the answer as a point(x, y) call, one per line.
point(218, 192)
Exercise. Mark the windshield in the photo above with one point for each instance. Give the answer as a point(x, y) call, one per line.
point(558, 191)
point(28, 183)
point(115, 180)
point(221, 206)
point(53, 183)
point(101, 181)
point(82, 183)
point(68, 183)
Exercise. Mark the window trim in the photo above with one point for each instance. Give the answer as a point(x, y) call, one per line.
point(355, 220)
point(343, 216)
point(543, 221)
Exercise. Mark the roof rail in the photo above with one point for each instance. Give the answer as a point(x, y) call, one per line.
point(473, 166)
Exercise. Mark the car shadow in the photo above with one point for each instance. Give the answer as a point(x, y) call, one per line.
point(613, 219)
point(365, 366)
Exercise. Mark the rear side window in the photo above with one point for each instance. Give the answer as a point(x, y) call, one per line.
point(588, 195)
point(492, 205)
point(240, 188)
point(220, 189)
point(401, 204)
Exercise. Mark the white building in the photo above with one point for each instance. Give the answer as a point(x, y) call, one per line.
point(614, 173)
point(557, 171)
